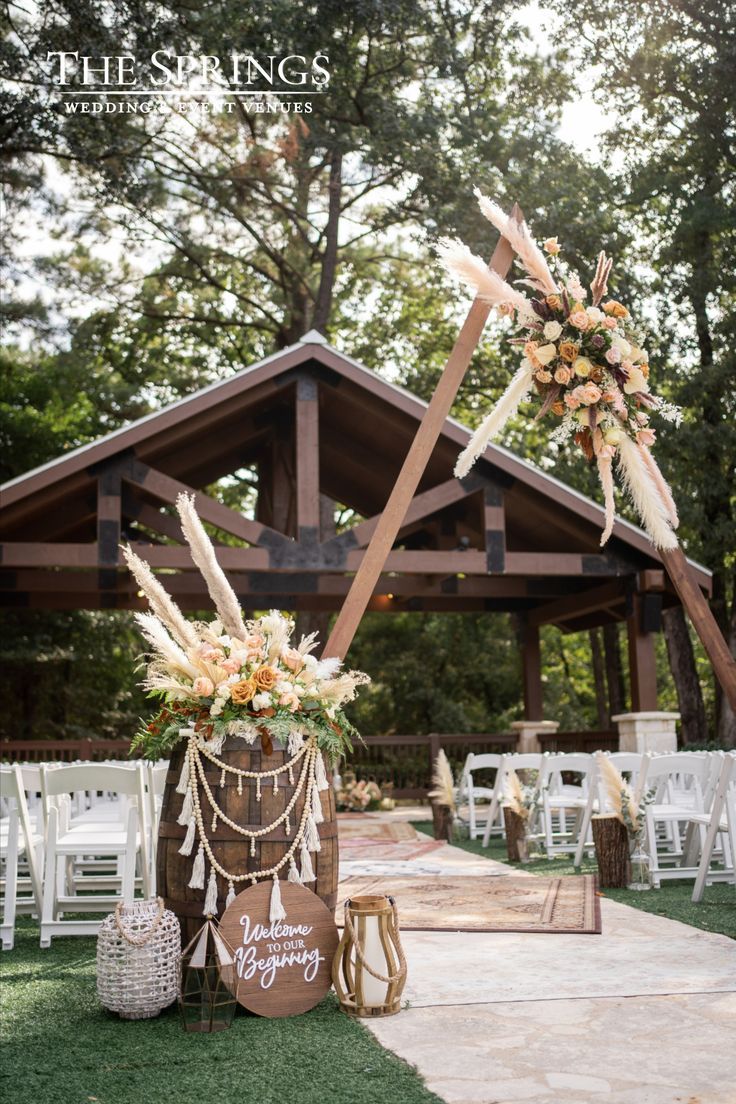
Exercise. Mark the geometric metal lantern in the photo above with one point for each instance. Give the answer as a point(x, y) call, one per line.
point(209, 982)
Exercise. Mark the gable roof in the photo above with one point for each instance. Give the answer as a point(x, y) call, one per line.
point(265, 374)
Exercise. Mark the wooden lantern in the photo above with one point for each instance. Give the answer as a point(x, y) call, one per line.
point(369, 968)
point(209, 983)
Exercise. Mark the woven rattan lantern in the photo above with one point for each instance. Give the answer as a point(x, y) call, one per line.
point(138, 959)
point(369, 968)
point(209, 982)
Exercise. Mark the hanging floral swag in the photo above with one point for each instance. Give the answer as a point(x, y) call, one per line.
point(230, 677)
point(586, 363)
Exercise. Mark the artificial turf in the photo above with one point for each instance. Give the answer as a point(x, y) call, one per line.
point(715, 913)
point(61, 1047)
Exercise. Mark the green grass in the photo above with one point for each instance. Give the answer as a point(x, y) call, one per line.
point(61, 1047)
point(715, 913)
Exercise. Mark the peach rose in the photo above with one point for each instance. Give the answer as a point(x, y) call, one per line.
point(589, 393)
point(554, 302)
point(203, 687)
point(290, 700)
point(572, 399)
point(568, 351)
point(558, 408)
point(562, 374)
point(646, 437)
point(551, 246)
point(244, 691)
point(265, 678)
point(293, 659)
point(230, 665)
point(579, 319)
point(543, 376)
point(615, 309)
point(609, 323)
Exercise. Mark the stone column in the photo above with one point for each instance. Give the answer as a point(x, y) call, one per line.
point(647, 731)
point(528, 733)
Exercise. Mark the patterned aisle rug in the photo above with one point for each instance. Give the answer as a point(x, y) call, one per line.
point(512, 904)
point(350, 828)
point(353, 850)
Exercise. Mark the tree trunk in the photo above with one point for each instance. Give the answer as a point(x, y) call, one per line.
point(726, 730)
point(614, 670)
point(516, 847)
point(682, 664)
point(329, 258)
point(612, 852)
point(599, 678)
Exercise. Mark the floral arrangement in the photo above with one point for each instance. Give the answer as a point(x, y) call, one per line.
point(230, 677)
point(358, 797)
point(620, 798)
point(585, 361)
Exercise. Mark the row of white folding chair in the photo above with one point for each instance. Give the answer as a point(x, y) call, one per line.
point(469, 791)
point(522, 763)
point(69, 839)
point(21, 845)
point(629, 764)
point(564, 802)
point(680, 788)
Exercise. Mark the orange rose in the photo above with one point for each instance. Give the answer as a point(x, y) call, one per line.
point(617, 310)
point(569, 351)
point(265, 678)
point(554, 302)
point(244, 691)
point(558, 408)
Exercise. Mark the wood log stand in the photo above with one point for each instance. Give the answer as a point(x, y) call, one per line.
point(442, 820)
point(516, 841)
point(612, 851)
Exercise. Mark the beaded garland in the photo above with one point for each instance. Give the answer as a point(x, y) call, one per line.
point(312, 779)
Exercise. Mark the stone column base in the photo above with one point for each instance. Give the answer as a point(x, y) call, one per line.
point(647, 731)
point(528, 733)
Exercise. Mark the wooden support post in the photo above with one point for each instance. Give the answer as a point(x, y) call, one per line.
point(642, 662)
point(703, 620)
point(494, 524)
point(415, 463)
point(307, 461)
point(531, 661)
point(109, 495)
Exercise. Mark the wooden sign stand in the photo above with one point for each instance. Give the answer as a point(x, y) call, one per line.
point(413, 468)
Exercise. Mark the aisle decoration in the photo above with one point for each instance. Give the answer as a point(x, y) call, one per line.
point(369, 968)
point(619, 836)
point(138, 949)
point(359, 797)
point(442, 798)
point(520, 800)
point(585, 363)
point(244, 679)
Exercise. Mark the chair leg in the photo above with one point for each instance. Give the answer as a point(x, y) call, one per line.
point(582, 838)
point(129, 860)
point(50, 878)
point(11, 883)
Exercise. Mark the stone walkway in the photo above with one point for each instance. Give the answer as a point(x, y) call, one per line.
point(643, 1014)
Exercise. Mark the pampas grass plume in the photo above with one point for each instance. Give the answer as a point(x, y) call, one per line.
point(203, 554)
point(644, 494)
point(443, 791)
point(494, 422)
point(519, 237)
point(458, 259)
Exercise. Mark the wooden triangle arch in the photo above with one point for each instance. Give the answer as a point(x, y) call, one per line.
point(414, 465)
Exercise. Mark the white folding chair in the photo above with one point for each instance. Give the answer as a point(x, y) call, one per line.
point(721, 820)
point(473, 793)
point(67, 841)
point(520, 762)
point(566, 802)
point(20, 841)
point(629, 766)
point(678, 783)
point(156, 774)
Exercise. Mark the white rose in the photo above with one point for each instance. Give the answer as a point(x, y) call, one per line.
point(594, 314)
point(553, 330)
point(622, 345)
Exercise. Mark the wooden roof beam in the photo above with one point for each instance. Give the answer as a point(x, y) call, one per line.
point(574, 606)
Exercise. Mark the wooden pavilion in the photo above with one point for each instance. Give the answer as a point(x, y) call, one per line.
point(313, 427)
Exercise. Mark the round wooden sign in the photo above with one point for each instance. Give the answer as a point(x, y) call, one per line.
point(283, 968)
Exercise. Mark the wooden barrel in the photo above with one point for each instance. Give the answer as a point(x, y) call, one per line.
point(231, 849)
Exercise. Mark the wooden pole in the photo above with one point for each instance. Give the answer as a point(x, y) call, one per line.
point(415, 463)
point(703, 620)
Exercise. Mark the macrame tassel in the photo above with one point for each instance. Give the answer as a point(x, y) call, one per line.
point(644, 494)
point(210, 901)
point(307, 873)
point(214, 744)
point(295, 742)
point(661, 484)
point(494, 422)
point(183, 783)
point(320, 774)
point(187, 808)
point(605, 475)
point(311, 835)
point(188, 844)
point(230, 895)
point(276, 910)
point(317, 814)
point(293, 872)
point(197, 879)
